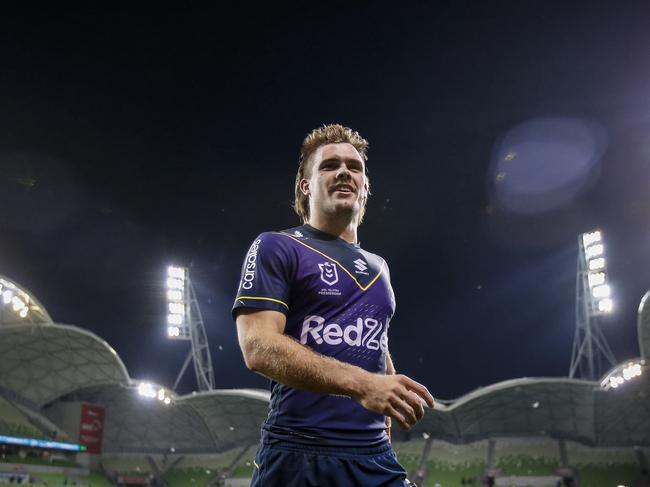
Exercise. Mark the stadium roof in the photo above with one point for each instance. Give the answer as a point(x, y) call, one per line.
point(18, 305)
point(47, 364)
point(211, 421)
point(42, 362)
point(560, 408)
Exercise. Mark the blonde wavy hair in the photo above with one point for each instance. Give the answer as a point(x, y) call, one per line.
point(327, 134)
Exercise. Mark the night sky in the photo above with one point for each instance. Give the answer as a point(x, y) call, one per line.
point(498, 132)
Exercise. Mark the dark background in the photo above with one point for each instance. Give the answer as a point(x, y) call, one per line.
point(130, 140)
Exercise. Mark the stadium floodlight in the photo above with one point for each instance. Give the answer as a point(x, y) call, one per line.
point(605, 305)
point(148, 391)
point(602, 291)
point(173, 283)
point(17, 303)
point(591, 238)
point(176, 272)
point(594, 251)
point(145, 389)
point(184, 322)
point(174, 295)
point(177, 299)
point(622, 374)
point(593, 299)
point(592, 269)
point(596, 278)
point(177, 308)
point(597, 264)
point(175, 319)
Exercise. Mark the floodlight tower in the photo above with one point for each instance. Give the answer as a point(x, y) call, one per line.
point(184, 322)
point(593, 300)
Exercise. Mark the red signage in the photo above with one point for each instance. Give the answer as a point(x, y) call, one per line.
point(91, 428)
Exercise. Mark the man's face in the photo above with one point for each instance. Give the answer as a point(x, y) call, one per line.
point(337, 183)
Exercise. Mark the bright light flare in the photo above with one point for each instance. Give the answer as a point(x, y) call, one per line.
point(627, 374)
point(174, 295)
point(590, 238)
point(594, 251)
point(175, 319)
point(597, 264)
point(173, 283)
point(6, 296)
point(596, 278)
point(176, 272)
point(17, 304)
point(603, 291)
point(145, 389)
point(177, 308)
point(605, 305)
point(173, 331)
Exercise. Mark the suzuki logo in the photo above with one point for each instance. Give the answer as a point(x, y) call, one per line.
point(328, 273)
point(361, 265)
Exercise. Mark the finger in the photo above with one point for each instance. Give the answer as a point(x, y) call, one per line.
point(415, 402)
point(397, 416)
point(405, 409)
point(419, 389)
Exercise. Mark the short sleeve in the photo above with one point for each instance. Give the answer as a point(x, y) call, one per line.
point(265, 276)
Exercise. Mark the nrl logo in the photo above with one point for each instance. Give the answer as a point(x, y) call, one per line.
point(328, 273)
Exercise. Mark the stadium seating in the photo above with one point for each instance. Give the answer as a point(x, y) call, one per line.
point(447, 464)
point(32, 460)
point(527, 456)
point(15, 423)
point(126, 464)
point(59, 480)
point(188, 477)
point(519, 459)
point(606, 475)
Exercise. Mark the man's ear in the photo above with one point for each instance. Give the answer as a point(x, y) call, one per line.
point(304, 186)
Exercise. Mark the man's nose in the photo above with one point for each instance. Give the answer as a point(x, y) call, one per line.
point(342, 172)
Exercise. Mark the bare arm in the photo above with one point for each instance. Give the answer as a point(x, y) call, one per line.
point(268, 351)
point(390, 370)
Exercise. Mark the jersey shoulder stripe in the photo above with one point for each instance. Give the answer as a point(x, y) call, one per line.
point(261, 298)
point(363, 288)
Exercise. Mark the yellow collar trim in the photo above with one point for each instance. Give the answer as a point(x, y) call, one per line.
point(341, 265)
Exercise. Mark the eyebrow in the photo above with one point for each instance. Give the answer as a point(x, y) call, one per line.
point(337, 159)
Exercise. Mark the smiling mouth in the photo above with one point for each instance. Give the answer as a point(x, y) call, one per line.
point(343, 189)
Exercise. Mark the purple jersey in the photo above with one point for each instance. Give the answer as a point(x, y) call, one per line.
point(338, 301)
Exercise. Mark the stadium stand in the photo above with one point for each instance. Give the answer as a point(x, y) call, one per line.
point(15, 423)
point(527, 456)
point(520, 430)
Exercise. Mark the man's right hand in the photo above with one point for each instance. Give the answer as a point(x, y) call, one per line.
point(396, 396)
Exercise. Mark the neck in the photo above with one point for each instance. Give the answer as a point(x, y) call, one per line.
point(344, 228)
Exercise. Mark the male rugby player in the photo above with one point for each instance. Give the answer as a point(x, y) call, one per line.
point(312, 311)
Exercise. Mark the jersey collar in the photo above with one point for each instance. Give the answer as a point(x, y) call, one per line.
point(307, 229)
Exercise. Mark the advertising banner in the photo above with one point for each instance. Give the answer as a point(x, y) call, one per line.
point(91, 428)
